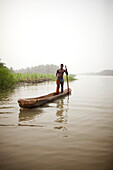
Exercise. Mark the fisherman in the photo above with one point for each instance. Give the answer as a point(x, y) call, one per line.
point(59, 75)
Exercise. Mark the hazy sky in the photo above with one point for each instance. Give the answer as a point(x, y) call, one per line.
point(78, 33)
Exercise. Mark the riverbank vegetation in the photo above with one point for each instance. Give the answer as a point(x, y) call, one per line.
point(8, 78)
point(36, 77)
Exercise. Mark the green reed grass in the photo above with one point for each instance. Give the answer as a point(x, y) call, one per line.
point(21, 77)
point(8, 79)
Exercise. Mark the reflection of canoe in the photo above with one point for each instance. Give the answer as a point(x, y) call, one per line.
point(28, 114)
point(39, 101)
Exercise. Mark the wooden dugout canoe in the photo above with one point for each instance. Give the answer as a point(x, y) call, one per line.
point(39, 101)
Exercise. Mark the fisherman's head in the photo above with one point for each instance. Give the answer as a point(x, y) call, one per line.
point(61, 65)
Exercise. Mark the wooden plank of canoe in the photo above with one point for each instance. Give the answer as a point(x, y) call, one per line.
point(39, 101)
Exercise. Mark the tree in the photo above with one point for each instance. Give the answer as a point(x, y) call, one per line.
point(2, 64)
point(44, 69)
point(6, 77)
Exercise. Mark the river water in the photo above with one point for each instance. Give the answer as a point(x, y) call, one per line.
point(72, 133)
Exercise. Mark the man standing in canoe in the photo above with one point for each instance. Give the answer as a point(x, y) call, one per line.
point(60, 80)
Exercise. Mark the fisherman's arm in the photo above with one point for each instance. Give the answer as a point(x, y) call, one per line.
point(57, 72)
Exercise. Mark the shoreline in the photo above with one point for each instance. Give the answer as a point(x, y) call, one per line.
point(37, 81)
point(26, 79)
point(33, 81)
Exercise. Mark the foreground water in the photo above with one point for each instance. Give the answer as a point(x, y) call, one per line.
point(72, 133)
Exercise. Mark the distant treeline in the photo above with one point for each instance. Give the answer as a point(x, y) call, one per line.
point(43, 69)
point(104, 72)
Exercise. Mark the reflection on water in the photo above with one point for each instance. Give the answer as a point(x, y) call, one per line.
point(31, 117)
point(68, 134)
point(28, 114)
point(6, 95)
point(62, 113)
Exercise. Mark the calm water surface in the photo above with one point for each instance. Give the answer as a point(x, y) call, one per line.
point(72, 133)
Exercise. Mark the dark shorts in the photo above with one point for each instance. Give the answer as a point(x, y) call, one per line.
point(61, 80)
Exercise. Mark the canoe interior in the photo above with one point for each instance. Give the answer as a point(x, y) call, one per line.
point(38, 101)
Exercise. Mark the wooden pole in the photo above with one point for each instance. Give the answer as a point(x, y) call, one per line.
point(67, 83)
point(67, 80)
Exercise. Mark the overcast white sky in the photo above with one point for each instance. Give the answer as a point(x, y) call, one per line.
point(78, 33)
